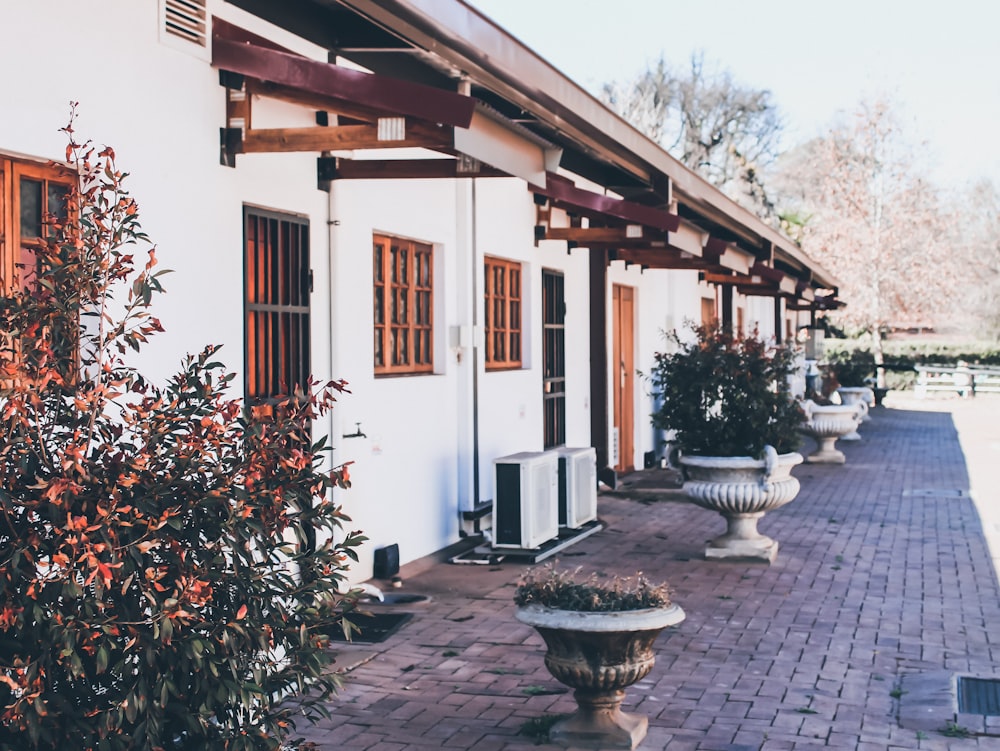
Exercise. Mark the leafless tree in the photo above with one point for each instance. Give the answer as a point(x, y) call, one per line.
point(726, 132)
point(976, 240)
point(865, 212)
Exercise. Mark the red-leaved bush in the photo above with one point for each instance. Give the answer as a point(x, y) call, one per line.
point(169, 563)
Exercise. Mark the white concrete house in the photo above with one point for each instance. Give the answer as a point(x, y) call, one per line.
point(400, 194)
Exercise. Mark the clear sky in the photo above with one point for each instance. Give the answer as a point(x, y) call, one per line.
point(939, 61)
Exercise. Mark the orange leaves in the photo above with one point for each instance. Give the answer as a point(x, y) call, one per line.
point(99, 570)
point(9, 616)
point(241, 613)
point(144, 546)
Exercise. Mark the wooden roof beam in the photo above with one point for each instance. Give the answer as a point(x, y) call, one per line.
point(402, 132)
point(403, 169)
point(586, 237)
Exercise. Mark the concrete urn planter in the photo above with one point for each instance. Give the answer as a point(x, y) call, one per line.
point(863, 398)
point(599, 655)
point(741, 489)
point(826, 423)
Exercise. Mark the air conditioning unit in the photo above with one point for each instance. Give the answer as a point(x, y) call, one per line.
point(577, 486)
point(525, 499)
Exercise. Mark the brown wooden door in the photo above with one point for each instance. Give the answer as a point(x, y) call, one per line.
point(623, 364)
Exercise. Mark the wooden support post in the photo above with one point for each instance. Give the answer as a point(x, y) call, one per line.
point(726, 293)
point(599, 365)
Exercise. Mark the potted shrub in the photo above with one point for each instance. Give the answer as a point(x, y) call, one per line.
point(169, 563)
point(853, 372)
point(728, 401)
point(599, 637)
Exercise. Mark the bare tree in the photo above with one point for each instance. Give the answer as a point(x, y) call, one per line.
point(872, 219)
point(976, 239)
point(726, 132)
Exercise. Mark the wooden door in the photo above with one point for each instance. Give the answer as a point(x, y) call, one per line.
point(623, 364)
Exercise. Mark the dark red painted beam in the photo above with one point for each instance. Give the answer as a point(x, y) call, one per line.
point(564, 191)
point(766, 272)
point(239, 51)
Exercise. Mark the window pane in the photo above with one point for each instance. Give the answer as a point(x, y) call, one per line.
point(379, 305)
point(31, 208)
point(426, 321)
point(404, 347)
point(57, 200)
point(423, 347)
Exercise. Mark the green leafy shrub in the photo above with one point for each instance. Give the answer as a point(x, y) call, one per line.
point(169, 564)
point(726, 395)
point(562, 590)
point(853, 368)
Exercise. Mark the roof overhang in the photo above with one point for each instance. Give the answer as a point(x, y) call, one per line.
point(445, 41)
point(477, 132)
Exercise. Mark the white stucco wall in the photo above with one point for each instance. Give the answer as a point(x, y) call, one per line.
point(132, 90)
point(415, 466)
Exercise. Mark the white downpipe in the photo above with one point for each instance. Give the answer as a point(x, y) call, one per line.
point(465, 345)
point(333, 274)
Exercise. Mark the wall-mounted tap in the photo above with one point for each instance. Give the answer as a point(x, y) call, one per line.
point(357, 433)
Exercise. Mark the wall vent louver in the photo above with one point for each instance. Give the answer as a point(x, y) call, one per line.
point(186, 19)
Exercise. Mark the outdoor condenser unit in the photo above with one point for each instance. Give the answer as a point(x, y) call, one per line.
point(577, 486)
point(525, 499)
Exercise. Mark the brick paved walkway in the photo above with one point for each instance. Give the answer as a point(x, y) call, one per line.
point(883, 588)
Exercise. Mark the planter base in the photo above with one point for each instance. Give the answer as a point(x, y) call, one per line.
point(826, 453)
point(761, 549)
point(599, 724)
point(742, 540)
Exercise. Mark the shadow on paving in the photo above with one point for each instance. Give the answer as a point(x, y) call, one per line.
point(883, 588)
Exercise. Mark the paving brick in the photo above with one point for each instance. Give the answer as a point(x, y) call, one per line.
point(883, 571)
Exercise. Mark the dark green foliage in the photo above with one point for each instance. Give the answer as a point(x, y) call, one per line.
point(562, 591)
point(169, 564)
point(852, 368)
point(725, 395)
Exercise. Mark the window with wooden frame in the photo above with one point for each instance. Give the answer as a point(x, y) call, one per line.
point(278, 283)
point(31, 194)
point(503, 314)
point(403, 295)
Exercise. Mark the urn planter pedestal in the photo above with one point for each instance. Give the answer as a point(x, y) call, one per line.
point(826, 423)
point(599, 654)
point(742, 489)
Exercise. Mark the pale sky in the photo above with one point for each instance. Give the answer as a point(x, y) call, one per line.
point(940, 61)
